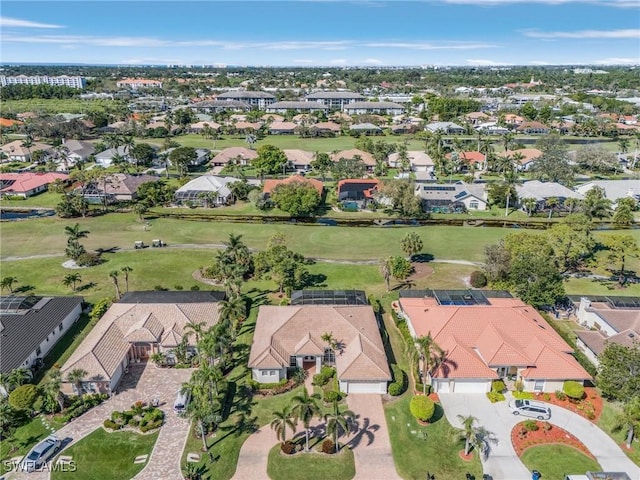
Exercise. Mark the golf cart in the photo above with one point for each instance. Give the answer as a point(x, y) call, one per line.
point(138, 244)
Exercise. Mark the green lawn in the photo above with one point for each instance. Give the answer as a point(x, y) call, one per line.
point(108, 456)
point(312, 466)
point(555, 461)
point(22, 440)
point(44, 200)
point(606, 422)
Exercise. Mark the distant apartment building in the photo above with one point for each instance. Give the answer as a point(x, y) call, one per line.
point(258, 100)
point(335, 100)
point(137, 83)
point(61, 81)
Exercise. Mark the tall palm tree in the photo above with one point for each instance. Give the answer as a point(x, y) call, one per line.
point(233, 311)
point(305, 407)
point(428, 354)
point(126, 270)
point(282, 420)
point(71, 279)
point(113, 275)
point(338, 422)
point(507, 139)
point(19, 376)
point(76, 377)
point(509, 179)
point(385, 269)
point(475, 437)
point(196, 329)
point(75, 232)
point(52, 387)
point(28, 143)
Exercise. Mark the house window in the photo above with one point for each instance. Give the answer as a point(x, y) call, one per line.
point(293, 362)
point(473, 204)
point(272, 373)
point(538, 386)
point(38, 351)
point(60, 327)
point(329, 355)
point(47, 339)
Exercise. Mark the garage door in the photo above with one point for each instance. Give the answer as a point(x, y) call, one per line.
point(461, 386)
point(443, 386)
point(363, 387)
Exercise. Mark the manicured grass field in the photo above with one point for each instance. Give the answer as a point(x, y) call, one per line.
point(555, 461)
point(108, 456)
point(42, 200)
point(23, 439)
point(312, 466)
point(607, 421)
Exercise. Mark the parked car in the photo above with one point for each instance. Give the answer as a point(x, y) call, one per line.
point(40, 454)
point(530, 408)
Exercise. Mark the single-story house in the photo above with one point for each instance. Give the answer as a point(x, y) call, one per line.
point(239, 155)
point(404, 128)
point(291, 336)
point(542, 191)
point(272, 117)
point(477, 118)
point(29, 183)
point(271, 183)
point(419, 161)
point(610, 319)
point(452, 197)
point(105, 158)
point(203, 155)
point(134, 328)
point(200, 127)
point(116, 187)
point(31, 326)
point(79, 151)
point(491, 128)
point(488, 336)
point(366, 129)
point(513, 119)
point(533, 128)
point(357, 192)
point(199, 189)
point(614, 190)
point(366, 157)
point(299, 159)
point(17, 152)
point(467, 159)
point(525, 157)
point(448, 128)
point(325, 129)
point(282, 128)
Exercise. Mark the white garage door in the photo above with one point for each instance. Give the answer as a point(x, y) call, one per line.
point(461, 386)
point(363, 387)
point(443, 386)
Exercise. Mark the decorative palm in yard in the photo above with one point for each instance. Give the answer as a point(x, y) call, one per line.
point(282, 420)
point(338, 422)
point(429, 355)
point(305, 407)
point(76, 377)
point(475, 437)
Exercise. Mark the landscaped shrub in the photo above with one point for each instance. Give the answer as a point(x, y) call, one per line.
point(88, 259)
point(573, 389)
point(523, 395)
point(134, 422)
point(422, 407)
point(546, 426)
point(400, 381)
point(546, 397)
point(111, 425)
point(560, 395)
point(478, 279)
point(498, 386)
point(328, 446)
point(332, 396)
point(531, 425)
point(288, 447)
point(495, 397)
point(23, 397)
point(322, 378)
point(151, 426)
point(518, 386)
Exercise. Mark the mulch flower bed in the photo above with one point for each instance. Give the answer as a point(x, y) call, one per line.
point(590, 407)
point(522, 438)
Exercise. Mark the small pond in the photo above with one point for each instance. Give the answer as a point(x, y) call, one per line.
point(24, 214)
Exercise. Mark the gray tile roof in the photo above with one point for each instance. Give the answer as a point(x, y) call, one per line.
point(543, 190)
point(24, 330)
point(297, 105)
point(357, 105)
point(322, 95)
point(242, 94)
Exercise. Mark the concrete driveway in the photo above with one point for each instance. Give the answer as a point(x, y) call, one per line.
point(503, 463)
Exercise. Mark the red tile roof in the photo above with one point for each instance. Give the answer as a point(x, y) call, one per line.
point(7, 122)
point(270, 184)
point(470, 157)
point(25, 182)
point(480, 338)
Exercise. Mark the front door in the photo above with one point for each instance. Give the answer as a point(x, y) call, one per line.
point(143, 351)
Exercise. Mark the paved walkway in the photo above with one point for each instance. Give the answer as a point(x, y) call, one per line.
point(503, 463)
point(370, 443)
point(139, 384)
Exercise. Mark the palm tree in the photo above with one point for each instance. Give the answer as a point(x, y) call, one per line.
point(7, 283)
point(193, 328)
point(126, 270)
point(429, 355)
point(113, 275)
point(282, 420)
point(140, 208)
point(623, 143)
point(385, 269)
point(52, 387)
point(510, 178)
point(233, 311)
point(28, 143)
point(71, 279)
point(529, 204)
point(629, 419)
point(76, 377)
point(411, 244)
point(551, 203)
point(19, 376)
point(339, 421)
point(475, 437)
point(507, 139)
point(305, 407)
point(75, 233)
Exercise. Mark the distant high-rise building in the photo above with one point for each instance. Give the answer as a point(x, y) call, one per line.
point(62, 81)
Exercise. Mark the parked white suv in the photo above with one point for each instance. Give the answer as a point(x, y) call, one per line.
point(530, 408)
point(40, 454)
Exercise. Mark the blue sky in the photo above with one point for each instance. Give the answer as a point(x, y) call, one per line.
point(311, 33)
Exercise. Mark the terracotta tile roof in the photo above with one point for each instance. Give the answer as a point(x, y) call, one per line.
point(281, 331)
point(271, 184)
point(366, 157)
point(334, 127)
point(285, 126)
point(233, 153)
point(26, 182)
point(368, 186)
point(7, 122)
point(529, 154)
point(462, 362)
point(469, 157)
point(298, 157)
point(505, 333)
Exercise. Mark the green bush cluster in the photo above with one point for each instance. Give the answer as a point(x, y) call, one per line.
point(331, 396)
point(400, 381)
point(531, 425)
point(328, 446)
point(80, 405)
point(139, 416)
point(523, 395)
point(322, 378)
point(495, 397)
point(573, 389)
point(478, 279)
point(422, 407)
point(560, 395)
point(111, 425)
point(498, 386)
point(23, 397)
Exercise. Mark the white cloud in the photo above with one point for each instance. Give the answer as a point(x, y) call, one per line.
point(538, 62)
point(6, 22)
point(618, 61)
point(478, 62)
point(615, 34)
point(372, 61)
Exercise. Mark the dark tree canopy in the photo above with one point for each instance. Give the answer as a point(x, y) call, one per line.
point(619, 372)
point(299, 199)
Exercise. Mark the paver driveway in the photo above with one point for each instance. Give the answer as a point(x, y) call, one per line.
point(503, 463)
point(370, 443)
